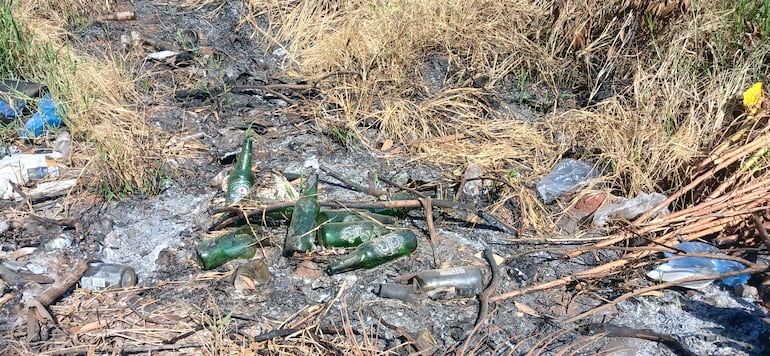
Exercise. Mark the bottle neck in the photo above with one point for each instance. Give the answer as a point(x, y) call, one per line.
point(244, 158)
point(310, 187)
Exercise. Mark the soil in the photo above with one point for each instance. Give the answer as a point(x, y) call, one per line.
point(209, 95)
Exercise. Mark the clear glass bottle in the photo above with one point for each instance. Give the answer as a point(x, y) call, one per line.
point(376, 252)
point(300, 236)
point(453, 282)
point(349, 233)
point(241, 179)
point(212, 253)
point(107, 275)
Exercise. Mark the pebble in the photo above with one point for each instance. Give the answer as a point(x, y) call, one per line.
point(746, 291)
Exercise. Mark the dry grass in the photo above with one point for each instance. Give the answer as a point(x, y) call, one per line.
point(122, 154)
point(667, 89)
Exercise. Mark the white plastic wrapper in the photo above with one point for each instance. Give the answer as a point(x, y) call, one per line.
point(629, 209)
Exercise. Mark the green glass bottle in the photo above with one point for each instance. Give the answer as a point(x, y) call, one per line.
point(376, 252)
point(241, 179)
point(349, 233)
point(301, 233)
point(344, 215)
point(212, 253)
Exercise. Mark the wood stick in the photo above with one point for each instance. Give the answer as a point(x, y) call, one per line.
point(428, 207)
point(761, 141)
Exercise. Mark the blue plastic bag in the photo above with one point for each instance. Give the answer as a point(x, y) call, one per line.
point(47, 116)
point(10, 111)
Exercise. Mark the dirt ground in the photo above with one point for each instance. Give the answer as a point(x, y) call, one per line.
point(207, 97)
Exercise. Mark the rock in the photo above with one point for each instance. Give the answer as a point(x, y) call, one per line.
point(746, 291)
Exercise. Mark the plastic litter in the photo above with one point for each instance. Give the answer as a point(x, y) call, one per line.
point(11, 110)
point(568, 175)
point(47, 116)
point(20, 169)
point(472, 187)
point(161, 55)
point(629, 208)
point(685, 267)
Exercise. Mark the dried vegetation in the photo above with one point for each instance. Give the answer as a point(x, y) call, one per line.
point(120, 152)
point(659, 80)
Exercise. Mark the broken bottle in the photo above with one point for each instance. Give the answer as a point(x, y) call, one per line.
point(376, 252)
point(241, 243)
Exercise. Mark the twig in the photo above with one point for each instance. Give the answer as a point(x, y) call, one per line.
point(645, 334)
point(428, 207)
point(496, 223)
point(85, 349)
point(761, 230)
point(151, 348)
point(411, 342)
point(483, 299)
point(63, 284)
point(491, 287)
point(352, 185)
point(41, 302)
point(392, 204)
point(401, 186)
point(754, 268)
point(734, 156)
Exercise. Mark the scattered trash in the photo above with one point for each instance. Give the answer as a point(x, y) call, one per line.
point(12, 88)
point(118, 16)
point(63, 144)
point(349, 233)
point(162, 55)
point(685, 267)
point(48, 116)
point(472, 186)
point(629, 209)
point(241, 179)
point(136, 38)
point(376, 252)
point(397, 291)
point(20, 169)
point(453, 282)
point(240, 243)
point(51, 189)
point(250, 275)
point(12, 109)
point(446, 283)
point(106, 275)
point(568, 175)
point(301, 233)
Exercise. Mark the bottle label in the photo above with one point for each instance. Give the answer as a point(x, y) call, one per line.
point(359, 231)
point(451, 271)
point(388, 245)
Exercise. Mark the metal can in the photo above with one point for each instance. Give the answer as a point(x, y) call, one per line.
point(107, 275)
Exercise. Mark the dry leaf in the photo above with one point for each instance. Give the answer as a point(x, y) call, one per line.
point(526, 309)
point(94, 325)
point(386, 145)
